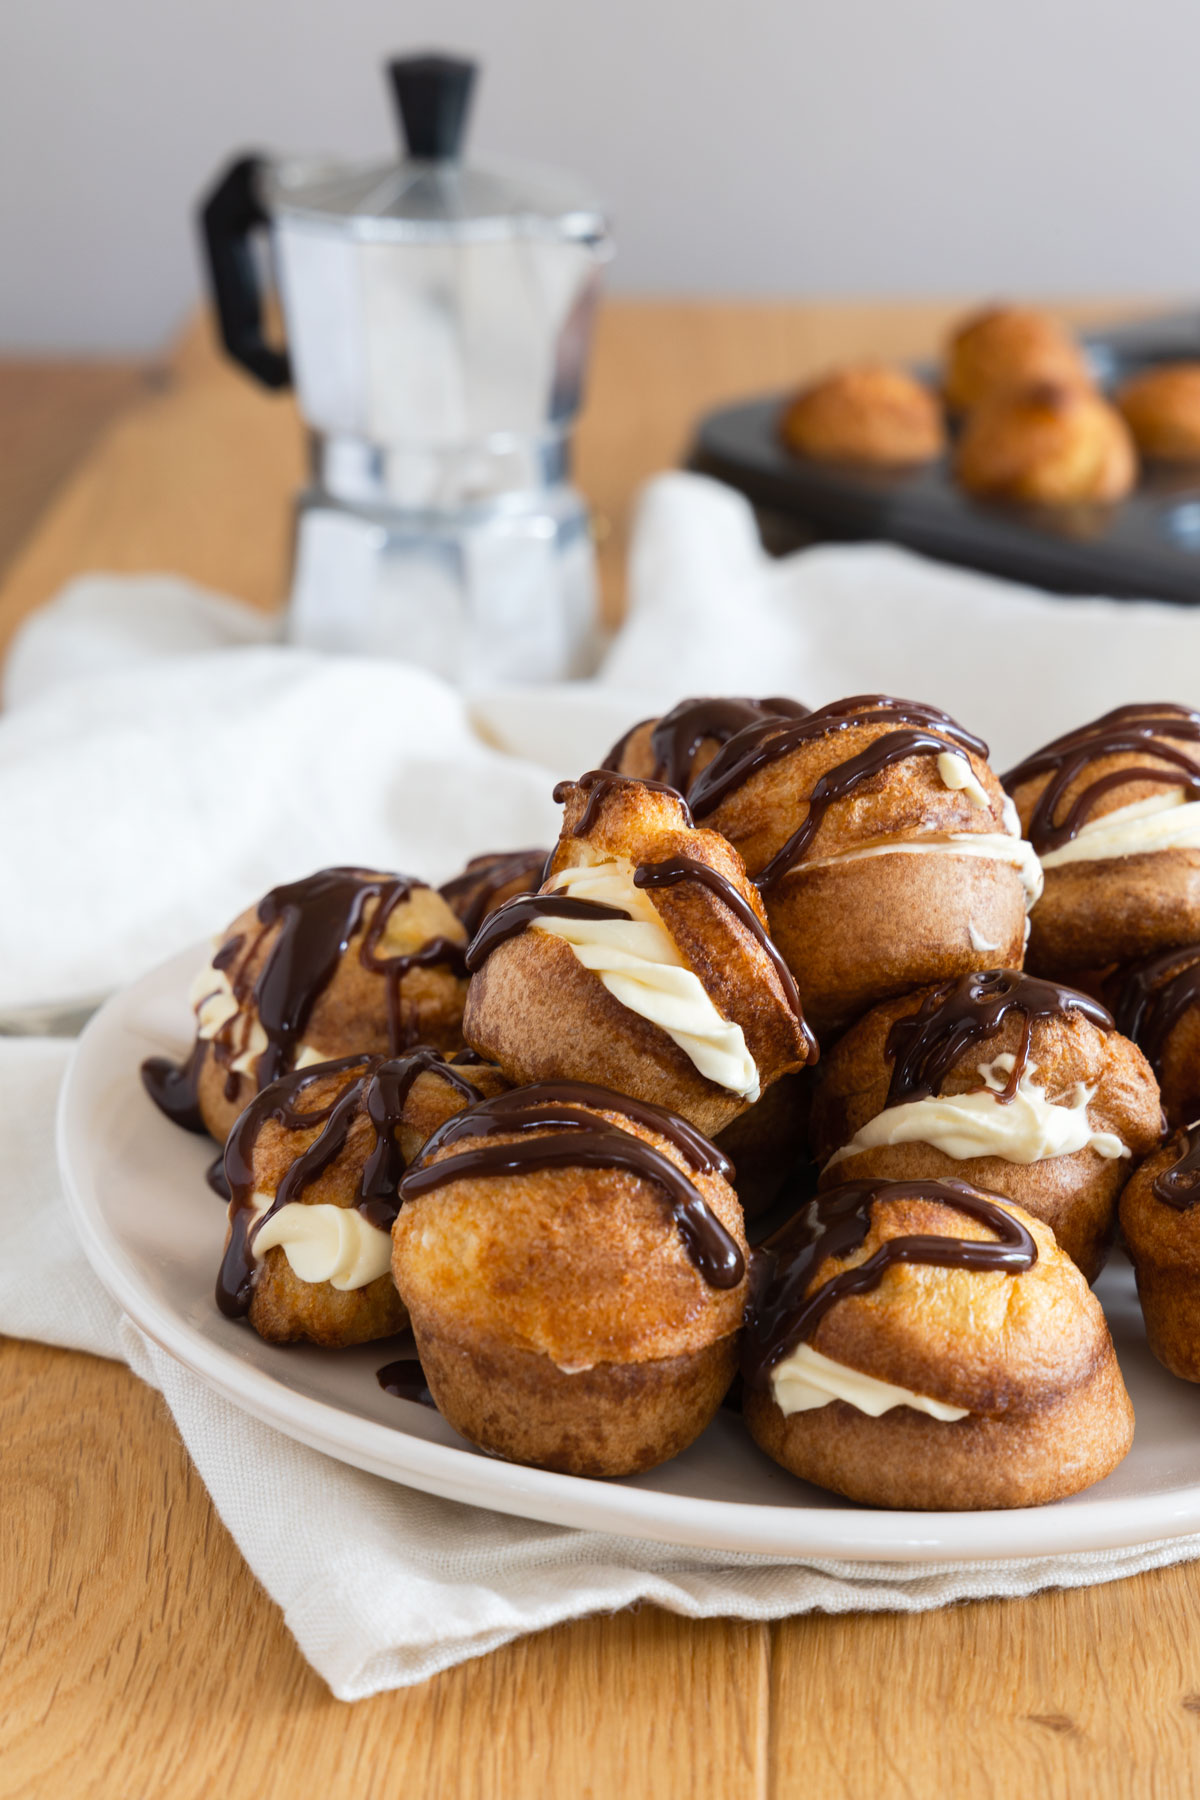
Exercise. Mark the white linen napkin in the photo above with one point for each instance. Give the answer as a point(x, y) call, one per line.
point(162, 761)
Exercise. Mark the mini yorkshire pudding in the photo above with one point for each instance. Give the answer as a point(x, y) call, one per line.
point(1156, 1002)
point(1016, 1085)
point(644, 963)
point(679, 745)
point(488, 881)
point(1113, 811)
point(346, 962)
point(1162, 409)
point(883, 847)
point(1047, 445)
point(1160, 1223)
point(870, 413)
point(922, 1344)
point(313, 1166)
point(1007, 347)
point(574, 1265)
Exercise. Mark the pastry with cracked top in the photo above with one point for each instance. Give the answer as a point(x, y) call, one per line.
point(1005, 347)
point(883, 845)
point(1113, 812)
point(345, 962)
point(644, 963)
point(872, 413)
point(1016, 1085)
point(313, 1167)
point(923, 1344)
point(574, 1266)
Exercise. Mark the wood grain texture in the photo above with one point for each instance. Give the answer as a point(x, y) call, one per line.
point(138, 1657)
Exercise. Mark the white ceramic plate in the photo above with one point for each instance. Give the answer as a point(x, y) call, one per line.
point(153, 1231)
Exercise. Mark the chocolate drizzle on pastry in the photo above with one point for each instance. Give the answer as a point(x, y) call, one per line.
point(522, 910)
point(471, 895)
point(1128, 731)
point(570, 1134)
point(1179, 1185)
point(375, 1085)
point(835, 1225)
point(957, 1015)
point(678, 735)
point(1153, 996)
point(598, 784)
point(756, 746)
point(317, 917)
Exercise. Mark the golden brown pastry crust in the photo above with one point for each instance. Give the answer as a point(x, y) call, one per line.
point(534, 1009)
point(855, 932)
point(1075, 1195)
point(283, 1308)
point(1047, 445)
point(1029, 1355)
point(1176, 1059)
point(1162, 409)
point(520, 1286)
point(1164, 1247)
point(1005, 347)
point(350, 1016)
point(872, 413)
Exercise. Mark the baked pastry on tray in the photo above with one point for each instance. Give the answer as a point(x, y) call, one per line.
point(883, 846)
point(1113, 811)
point(1162, 409)
point(1005, 347)
point(345, 962)
point(1047, 445)
point(1160, 1224)
point(313, 1166)
point(644, 963)
point(574, 1266)
point(924, 1344)
point(870, 413)
point(1016, 1085)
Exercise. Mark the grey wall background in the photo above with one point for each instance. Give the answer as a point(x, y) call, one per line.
point(745, 146)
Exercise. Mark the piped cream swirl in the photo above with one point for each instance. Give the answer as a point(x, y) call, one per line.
point(641, 966)
point(1167, 821)
point(323, 1243)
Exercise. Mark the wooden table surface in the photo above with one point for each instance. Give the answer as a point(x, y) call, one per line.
point(139, 1658)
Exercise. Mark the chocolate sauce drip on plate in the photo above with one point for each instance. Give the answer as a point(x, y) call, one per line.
point(756, 746)
point(1153, 996)
point(1179, 1186)
point(172, 1086)
point(783, 1313)
point(375, 1085)
point(522, 910)
point(686, 868)
point(572, 1138)
point(217, 1179)
point(957, 1015)
point(1128, 731)
point(470, 895)
point(597, 784)
point(405, 1378)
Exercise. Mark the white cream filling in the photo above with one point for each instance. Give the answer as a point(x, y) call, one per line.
point(1167, 821)
point(1027, 1129)
point(994, 846)
point(324, 1243)
point(804, 1380)
point(978, 941)
point(213, 1001)
point(956, 772)
point(639, 964)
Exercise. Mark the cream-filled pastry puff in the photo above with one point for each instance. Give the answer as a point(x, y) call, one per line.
point(1013, 1084)
point(489, 880)
point(871, 413)
point(1160, 1224)
point(1006, 347)
point(644, 963)
point(1113, 811)
point(883, 846)
point(678, 746)
point(313, 1166)
point(574, 1266)
point(1156, 1002)
point(1047, 445)
point(923, 1344)
point(345, 962)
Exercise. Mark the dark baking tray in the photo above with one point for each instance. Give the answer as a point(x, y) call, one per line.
point(1147, 547)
